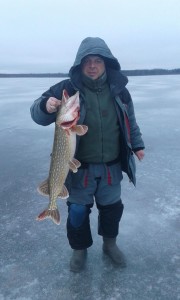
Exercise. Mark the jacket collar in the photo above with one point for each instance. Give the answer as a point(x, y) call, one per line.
point(94, 84)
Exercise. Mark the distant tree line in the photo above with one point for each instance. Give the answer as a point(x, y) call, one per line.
point(144, 72)
point(18, 75)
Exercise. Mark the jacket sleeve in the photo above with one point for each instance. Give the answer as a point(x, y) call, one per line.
point(135, 133)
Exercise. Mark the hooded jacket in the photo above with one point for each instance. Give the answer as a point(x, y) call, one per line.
point(130, 132)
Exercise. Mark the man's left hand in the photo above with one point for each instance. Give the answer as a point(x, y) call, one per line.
point(140, 154)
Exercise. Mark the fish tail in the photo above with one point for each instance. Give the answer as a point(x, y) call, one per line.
point(53, 214)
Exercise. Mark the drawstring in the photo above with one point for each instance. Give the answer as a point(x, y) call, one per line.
point(109, 178)
point(86, 178)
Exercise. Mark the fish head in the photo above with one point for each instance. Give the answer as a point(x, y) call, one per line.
point(69, 111)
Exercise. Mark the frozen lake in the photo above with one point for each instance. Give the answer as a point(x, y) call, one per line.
point(34, 257)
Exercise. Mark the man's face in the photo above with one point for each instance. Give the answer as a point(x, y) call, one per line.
point(93, 66)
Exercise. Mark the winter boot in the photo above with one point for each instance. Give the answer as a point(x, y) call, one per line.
point(78, 260)
point(111, 249)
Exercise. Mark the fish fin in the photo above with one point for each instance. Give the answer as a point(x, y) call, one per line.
point(49, 213)
point(65, 96)
point(76, 162)
point(64, 194)
point(43, 188)
point(72, 166)
point(79, 129)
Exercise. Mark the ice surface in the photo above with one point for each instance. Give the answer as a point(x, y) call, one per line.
point(34, 257)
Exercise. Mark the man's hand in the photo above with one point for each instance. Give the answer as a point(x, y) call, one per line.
point(140, 154)
point(52, 105)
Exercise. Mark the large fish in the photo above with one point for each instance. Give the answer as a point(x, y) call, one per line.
point(62, 158)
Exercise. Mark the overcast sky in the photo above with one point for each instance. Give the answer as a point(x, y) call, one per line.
point(44, 35)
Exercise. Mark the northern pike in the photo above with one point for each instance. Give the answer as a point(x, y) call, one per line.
point(62, 157)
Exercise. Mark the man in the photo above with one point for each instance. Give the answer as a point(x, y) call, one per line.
point(104, 151)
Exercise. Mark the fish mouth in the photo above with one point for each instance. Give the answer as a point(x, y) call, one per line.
point(67, 124)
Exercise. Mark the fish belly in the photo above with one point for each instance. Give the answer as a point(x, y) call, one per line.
point(63, 152)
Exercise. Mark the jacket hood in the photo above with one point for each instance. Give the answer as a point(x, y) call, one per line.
point(94, 46)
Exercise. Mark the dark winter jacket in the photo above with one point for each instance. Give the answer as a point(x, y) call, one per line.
point(130, 132)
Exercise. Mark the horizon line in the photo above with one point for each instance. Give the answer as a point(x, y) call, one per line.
point(66, 73)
